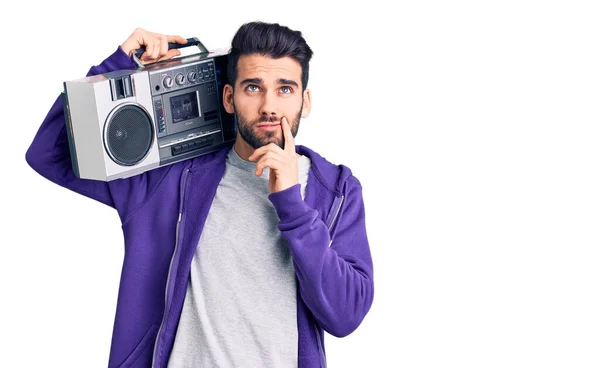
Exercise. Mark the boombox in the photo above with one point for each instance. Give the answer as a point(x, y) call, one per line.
point(126, 122)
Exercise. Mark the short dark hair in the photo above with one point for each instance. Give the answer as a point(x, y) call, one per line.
point(268, 39)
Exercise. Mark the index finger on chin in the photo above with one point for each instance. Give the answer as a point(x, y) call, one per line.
point(289, 144)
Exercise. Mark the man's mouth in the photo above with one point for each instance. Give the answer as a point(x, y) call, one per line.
point(269, 126)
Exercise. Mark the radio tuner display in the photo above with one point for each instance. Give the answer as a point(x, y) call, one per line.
point(184, 107)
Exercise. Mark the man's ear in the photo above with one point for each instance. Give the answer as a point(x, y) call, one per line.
point(228, 98)
point(306, 104)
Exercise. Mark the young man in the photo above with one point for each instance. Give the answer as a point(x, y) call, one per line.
point(239, 258)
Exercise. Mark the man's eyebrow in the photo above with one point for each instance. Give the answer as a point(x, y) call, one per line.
point(251, 81)
point(259, 81)
point(287, 81)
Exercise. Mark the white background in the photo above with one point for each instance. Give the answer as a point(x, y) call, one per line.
point(473, 127)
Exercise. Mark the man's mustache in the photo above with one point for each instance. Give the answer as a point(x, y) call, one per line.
point(267, 119)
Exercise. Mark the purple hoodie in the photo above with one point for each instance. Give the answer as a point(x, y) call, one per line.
point(163, 212)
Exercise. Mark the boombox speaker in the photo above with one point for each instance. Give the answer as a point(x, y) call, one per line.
point(127, 122)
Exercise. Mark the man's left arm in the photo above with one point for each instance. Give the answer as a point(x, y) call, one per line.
point(335, 275)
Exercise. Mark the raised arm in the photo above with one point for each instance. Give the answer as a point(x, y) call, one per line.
point(49, 153)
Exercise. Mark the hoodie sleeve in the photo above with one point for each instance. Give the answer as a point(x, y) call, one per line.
point(335, 275)
point(49, 153)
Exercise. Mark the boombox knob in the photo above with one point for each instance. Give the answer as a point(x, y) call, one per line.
point(168, 82)
point(180, 79)
point(192, 76)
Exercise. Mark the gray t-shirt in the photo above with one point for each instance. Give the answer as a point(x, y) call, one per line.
point(240, 303)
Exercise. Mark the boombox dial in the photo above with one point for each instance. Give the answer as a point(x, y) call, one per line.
point(168, 82)
point(180, 79)
point(192, 76)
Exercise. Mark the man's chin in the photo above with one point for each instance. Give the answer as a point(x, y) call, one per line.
point(268, 141)
point(265, 140)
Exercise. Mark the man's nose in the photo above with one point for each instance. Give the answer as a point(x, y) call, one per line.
point(268, 107)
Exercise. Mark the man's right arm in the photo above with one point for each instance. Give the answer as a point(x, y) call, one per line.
point(49, 153)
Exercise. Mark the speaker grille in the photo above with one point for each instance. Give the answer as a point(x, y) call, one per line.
point(128, 135)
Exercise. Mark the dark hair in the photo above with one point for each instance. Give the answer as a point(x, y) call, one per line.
point(268, 39)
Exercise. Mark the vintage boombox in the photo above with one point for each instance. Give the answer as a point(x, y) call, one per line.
point(127, 122)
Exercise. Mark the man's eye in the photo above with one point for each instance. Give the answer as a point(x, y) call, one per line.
point(252, 88)
point(286, 90)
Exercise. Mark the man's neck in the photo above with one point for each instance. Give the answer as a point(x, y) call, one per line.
point(243, 149)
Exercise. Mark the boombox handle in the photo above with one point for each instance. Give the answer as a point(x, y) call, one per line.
point(190, 42)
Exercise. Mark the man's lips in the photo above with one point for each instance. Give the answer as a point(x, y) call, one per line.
point(269, 126)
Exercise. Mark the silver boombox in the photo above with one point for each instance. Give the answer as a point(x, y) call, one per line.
point(126, 122)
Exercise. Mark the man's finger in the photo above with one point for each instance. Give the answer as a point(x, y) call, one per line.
point(164, 47)
point(259, 152)
point(177, 39)
point(271, 155)
point(149, 48)
point(271, 162)
point(172, 53)
point(156, 50)
point(288, 143)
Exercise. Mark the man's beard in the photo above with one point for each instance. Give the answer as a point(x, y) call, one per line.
point(245, 129)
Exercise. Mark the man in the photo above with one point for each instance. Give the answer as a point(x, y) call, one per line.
point(239, 258)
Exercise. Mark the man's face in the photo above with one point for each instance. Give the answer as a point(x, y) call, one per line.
point(266, 90)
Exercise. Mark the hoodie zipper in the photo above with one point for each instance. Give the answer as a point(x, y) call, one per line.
point(329, 227)
point(154, 357)
point(337, 212)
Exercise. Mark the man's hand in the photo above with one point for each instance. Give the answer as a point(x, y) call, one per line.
point(157, 45)
point(282, 163)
